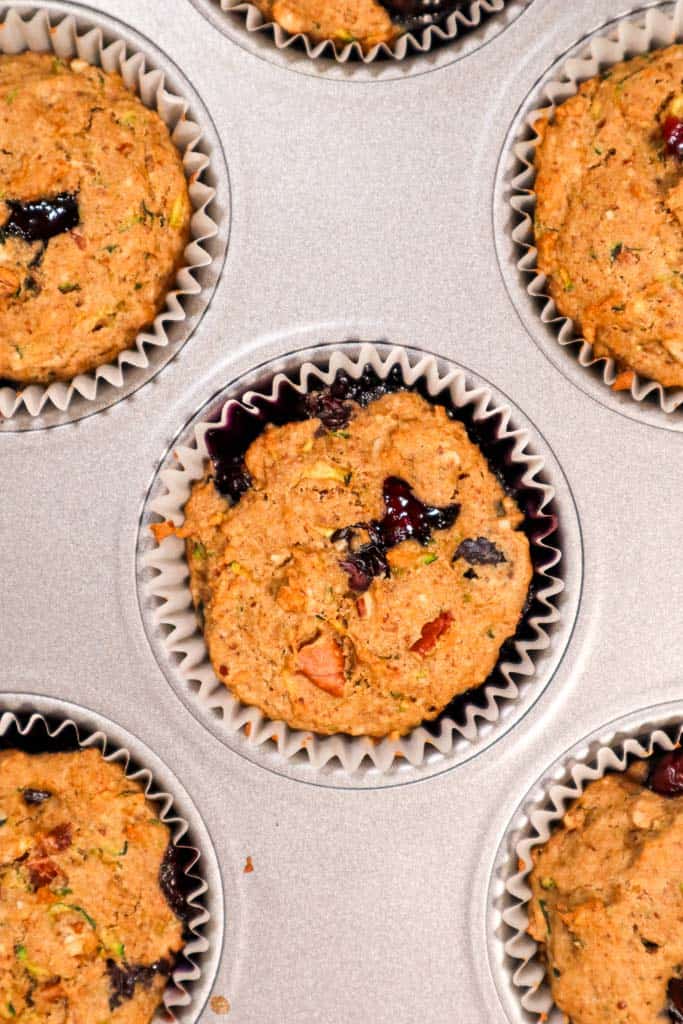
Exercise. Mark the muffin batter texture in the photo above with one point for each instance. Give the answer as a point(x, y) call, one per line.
point(76, 291)
point(86, 933)
point(366, 575)
point(607, 903)
point(609, 211)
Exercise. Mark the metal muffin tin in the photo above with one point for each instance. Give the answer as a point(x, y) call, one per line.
point(361, 208)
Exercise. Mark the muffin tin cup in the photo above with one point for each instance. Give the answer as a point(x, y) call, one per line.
point(43, 725)
point(68, 33)
point(473, 721)
point(514, 956)
point(474, 23)
point(634, 33)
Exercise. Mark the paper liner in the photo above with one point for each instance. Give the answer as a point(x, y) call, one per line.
point(68, 37)
point(17, 729)
point(174, 627)
point(658, 27)
point(472, 16)
point(542, 811)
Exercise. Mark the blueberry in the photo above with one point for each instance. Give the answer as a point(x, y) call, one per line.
point(39, 220)
point(333, 413)
point(363, 565)
point(674, 991)
point(124, 978)
point(479, 552)
point(36, 796)
point(174, 882)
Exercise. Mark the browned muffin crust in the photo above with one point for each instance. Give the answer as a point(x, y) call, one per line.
point(86, 933)
point(289, 627)
point(342, 21)
point(609, 203)
point(74, 302)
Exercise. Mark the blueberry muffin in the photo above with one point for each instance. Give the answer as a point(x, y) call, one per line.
point(86, 930)
point(607, 898)
point(609, 213)
point(94, 217)
point(360, 568)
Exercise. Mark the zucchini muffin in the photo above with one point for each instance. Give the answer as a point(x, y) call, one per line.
point(94, 217)
point(368, 22)
point(359, 569)
point(609, 213)
point(607, 901)
point(86, 932)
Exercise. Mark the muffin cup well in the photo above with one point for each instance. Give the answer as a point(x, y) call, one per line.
point(515, 957)
point(471, 721)
point(472, 16)
point(633, 34)
point(49, 29)
point(38, 732)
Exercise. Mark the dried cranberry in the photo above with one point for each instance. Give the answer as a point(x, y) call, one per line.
point(42, 872)
point(674, 991)
point(672, 133)
point(39, 220)
point(666, 774)
point(59, 838)
point(479, 552)
point(123, 979)
point(36, 796)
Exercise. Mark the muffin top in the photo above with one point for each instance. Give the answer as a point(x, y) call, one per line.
point(609, 204)
point(94, 217)
point(86, 932)
point(367, 22)
point(607, 899)
point(367, 574)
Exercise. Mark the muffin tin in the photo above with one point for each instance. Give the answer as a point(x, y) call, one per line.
point(364, 207)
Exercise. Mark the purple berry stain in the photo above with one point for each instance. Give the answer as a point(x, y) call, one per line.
point(39, 220)
point(405, 518)
point(674, 991)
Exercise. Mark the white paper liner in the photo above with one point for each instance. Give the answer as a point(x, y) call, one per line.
point(655, 29)
point(177, 996)
point(54, 32)
point(459, 22)
point(178, 632)
point(548, 807)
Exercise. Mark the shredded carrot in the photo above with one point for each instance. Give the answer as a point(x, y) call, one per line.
point(163, 530)
point(623, 380)
point(248, 866)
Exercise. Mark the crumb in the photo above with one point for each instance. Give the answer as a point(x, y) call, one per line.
point(248, 866)
point(219, 1004)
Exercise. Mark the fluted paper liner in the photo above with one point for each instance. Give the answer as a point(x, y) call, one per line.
point(175, 628)
point(655, 29)
point(47, 31)
point(542, 811)
point(177, 1002)
point(472, 16)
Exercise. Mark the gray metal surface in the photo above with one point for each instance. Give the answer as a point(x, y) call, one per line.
point(359, 209)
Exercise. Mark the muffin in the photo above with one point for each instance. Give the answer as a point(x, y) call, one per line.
point(86, 931)
point(609, 210)
point(94, 217)
point(366, 22)
point(607, 898)
point(359, 568)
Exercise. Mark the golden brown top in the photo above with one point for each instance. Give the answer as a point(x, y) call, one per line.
point(86, 932)
point(75, 301)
